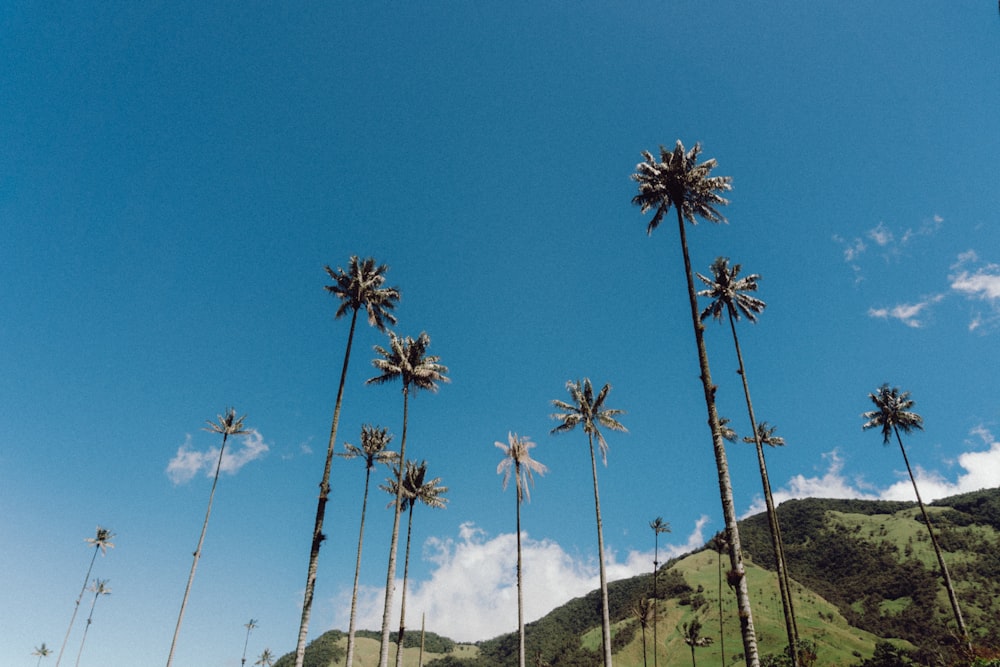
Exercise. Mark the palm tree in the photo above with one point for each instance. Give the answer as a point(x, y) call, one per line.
point(226, 425)
point(729, 294)
point(659, 526)
point(266, 658)
point(406, 359)
point(692, 636)
point(892, 414)
point(102, 542)
point(249, 626)
point(644, 611)
point(362, 285)
point(678, 180)
point(589, 410)
point(42, 651)
point(99, 588)
point(718, 545)
point(415, 490)
point(517, 457)
point(374, 441)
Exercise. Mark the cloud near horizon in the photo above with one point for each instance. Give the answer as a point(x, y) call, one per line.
point(188, 462)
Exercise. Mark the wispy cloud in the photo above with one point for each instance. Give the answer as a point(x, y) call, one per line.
point(909, 314)
point(883, 237)
point(980, 282)
point(188, 462)
point(472, 592)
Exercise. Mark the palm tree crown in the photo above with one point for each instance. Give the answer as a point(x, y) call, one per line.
point(407, 359)
point(102, 540)
point(588, 410)
point(892, 410)
point(517, 458)
point(374, 441)
point(765, 433)
point(227, 424)
point(362, 285)
point(729, 292)
point(678, 180)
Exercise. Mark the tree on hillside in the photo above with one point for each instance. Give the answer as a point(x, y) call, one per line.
point(250, 625)
point(517, 458)
point(266, 658)
point(407, 360)
point(362, 285)
point(659, 526)
point(718, 545)
point(589, 410)
point(226, 425)
point(678, 180)
point(644, 611)
point(893, 414)
point(374, 441)
point(414, 489)
point(691, 632)
point(99, 588)
point(102, 542)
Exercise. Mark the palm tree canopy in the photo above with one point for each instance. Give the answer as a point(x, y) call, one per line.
point(729, 292)
point(659, 525)
point(725, 430)
point(266, 658)
point(588, 410)
point(892, 410)
point(102, 540)
point(251, 624)
point(766, 434)
point(415, 488)
point(678, 180)
point(362, 285)
point(227, 424)
point(42, 650)
point(100, 587)
point(407, 359)
point(642, 611)
point(374, 440)
point(517, 457)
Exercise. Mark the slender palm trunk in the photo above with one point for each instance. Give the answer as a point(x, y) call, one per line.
point(952, 598)
point(420, 657)
point(349, 660)
point(406, 576)
point(772, 515)
point(656, 565)
point(390, 583)
point(197, 552)
point(643, 644)
point(520, 591)
point(725, 485)
point(605, 616)
point(86, 628)
point(324, 493)
point(76, 607)
point(722, 627)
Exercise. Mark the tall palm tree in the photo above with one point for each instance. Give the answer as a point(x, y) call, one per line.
point(659, 526)
point(517, 458)
point(249, 626)
point(681, 182)
point(362, 285)
point(374, 441)
point(266, 658)
point(589, 410)
point(893, 414)
point(644, 612)
point(99, 588)
point(415, 489)
point(691, 632)
point(729, 294)
point(102, 542)
point(406, 359)
point(42, 651)
point(718, 545)
point(226, 425)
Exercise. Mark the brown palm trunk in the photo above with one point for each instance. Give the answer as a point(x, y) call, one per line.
point(76, 608)
point(349, 659)
point(605, 615)
point(406, 575)
point(390, 584)
point(324, 492)
point(772, 516)
point(722, 466)
point(520, 591)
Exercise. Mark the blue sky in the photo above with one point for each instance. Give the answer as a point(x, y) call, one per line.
point(174, 178)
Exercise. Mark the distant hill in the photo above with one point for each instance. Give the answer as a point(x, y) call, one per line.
point(865, 584)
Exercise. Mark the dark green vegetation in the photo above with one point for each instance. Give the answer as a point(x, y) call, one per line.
point(864, 578)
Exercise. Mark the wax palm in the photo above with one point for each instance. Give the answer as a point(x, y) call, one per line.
point(517, 459)
point(691, 632)
point(249, 626)
point(266, 658)
point(374, 441)
point(361, 285)
point(415, 488)
point(99, 588)
point(42, 651)
point(659, 526)
point(645, 615)
point(678, 180)
point(226, 425)
point(893, 414)
point(102, 542)
point(718, 545)
point(587, 409)
point(406, 360)
point(729, 297)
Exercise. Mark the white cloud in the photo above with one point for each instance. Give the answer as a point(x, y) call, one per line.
point(880, 234)
point(907, 313)
point(472, 592)
point(980, 283)
point(831, 484)
point(188, 462)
